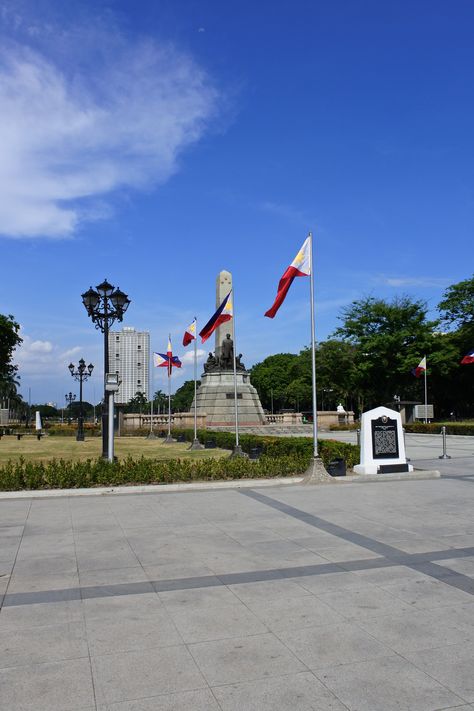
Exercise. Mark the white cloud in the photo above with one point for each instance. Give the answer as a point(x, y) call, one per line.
point(188, 357)
point(72, 132)
point(37, 358)
point(41, 346)
point(414, 281)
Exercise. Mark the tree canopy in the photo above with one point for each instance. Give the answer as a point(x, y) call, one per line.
point(9, 340)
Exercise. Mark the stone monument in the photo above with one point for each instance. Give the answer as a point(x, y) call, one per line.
point(215, 396)
point(382, 447)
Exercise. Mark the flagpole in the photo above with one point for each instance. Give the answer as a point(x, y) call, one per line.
point(196, 443)
point(151, 434)
point(316, 471)
point(169, 438)
point(426, 394)
point(237, 452)
point(195, 381)
point(313, 354)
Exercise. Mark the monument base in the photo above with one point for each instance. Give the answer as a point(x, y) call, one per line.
point(372, 469)
point(215, 398)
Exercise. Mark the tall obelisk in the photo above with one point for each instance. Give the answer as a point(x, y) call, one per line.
point(223, 286)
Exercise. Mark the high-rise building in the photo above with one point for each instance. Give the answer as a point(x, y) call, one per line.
point(129, 356)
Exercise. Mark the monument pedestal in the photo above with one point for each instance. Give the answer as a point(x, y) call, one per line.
point(215, 399)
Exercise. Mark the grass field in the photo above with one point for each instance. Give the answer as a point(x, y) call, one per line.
point(68, 448)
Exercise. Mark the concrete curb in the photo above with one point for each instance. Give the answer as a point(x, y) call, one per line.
point(150, 488)
point(381, 478)
point(208, 485)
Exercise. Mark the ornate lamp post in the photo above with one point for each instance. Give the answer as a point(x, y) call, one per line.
point(81, 373)
point(105, 304)
point(70, 397)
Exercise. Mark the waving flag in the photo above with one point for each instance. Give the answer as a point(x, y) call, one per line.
point(166, 360)
point(468, 358)
point(224, 313)
point(189, 334)
point(420, 368)
point(300, 266)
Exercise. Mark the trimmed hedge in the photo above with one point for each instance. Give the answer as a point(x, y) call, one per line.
point(282, 456)
point(71, 430)
point(65, 474)
point(452, 428)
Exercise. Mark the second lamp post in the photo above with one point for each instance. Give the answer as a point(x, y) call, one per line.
point(105, 304)
point(81, 373)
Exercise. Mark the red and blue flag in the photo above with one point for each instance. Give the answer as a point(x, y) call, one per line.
point(166, 360)
point(224, 313)
point(468, 358)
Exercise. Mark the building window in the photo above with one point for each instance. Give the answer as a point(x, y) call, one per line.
point(139, 365)
point(139, 348)
point(117, 338)
point(117, 355)
point(139, 382)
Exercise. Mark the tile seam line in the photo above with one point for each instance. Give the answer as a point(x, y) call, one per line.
point(299, 514)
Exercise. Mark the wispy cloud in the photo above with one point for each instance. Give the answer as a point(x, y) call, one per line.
point(73, 131)
point(417, 281)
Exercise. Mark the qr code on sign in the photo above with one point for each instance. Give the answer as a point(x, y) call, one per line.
point(385, 442)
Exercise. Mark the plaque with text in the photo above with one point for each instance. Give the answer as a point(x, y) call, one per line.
point(384, 438)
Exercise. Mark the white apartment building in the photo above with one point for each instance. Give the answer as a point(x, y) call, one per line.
point(129, 356)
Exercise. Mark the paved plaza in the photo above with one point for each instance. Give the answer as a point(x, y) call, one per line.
point(296, 597)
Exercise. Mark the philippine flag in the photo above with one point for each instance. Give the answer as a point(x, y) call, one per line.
point(224, 313)
point(166, 360)
point(420, 368)
point(468, 358)
point(189, 334)
point(300, 266)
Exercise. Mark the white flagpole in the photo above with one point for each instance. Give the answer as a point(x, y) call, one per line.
point(169, 438)
point(237, 450)
point(426, 393)
point(313, 353)
point(151, 434)
point(195, 377)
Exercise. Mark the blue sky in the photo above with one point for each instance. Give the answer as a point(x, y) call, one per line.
point(157, 143)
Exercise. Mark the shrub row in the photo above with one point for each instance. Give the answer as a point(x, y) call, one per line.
point(278, 446)
point(90, 430)
point(452, 428)
point(62, 474)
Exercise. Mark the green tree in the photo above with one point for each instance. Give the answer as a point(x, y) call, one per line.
point(272, 377)
point(9, 340)
point(46, 411)
point(389, 339)
point(183, 397)
point(138, 403)
point(457, 313)
point(457, 306)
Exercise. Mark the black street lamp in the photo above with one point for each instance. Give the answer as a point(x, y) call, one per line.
point(70, 397)
point(81, 373)
point(105, 304)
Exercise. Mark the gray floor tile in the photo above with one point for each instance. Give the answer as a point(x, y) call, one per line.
point(422, 629)
point(199, 700)
point(119, 606)
point(386, 684)
point(195, 598)
point(107, 635)
point(367, 601)
point(41, 614)
point(450, 665)
point(268, 590)
point(428, 593)
point(33, 645)
point(135, 675)
point(199, 624)
point(344, 643)
point(59, 686)
point(242, 659)
point(295, 613)
point(299, 692)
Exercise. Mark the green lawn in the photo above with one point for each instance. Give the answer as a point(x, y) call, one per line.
point(68, 448)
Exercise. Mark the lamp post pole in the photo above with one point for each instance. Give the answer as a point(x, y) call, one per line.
point(81, 373)
point(105, 304)
point(70, 397)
